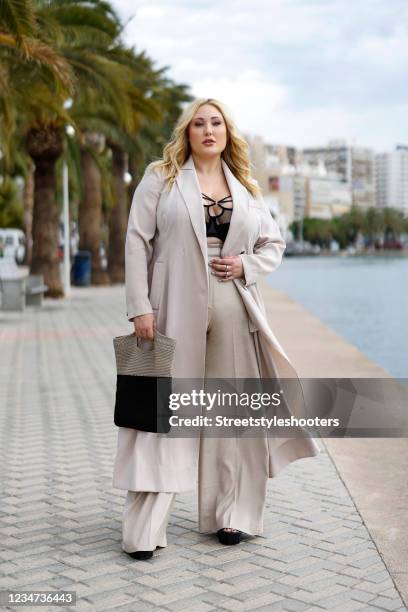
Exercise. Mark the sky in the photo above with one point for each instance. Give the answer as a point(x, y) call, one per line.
point(295, 72)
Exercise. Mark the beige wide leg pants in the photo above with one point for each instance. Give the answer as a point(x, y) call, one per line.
point(232, 472)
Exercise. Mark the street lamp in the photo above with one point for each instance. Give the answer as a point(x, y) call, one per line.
point(70, 131)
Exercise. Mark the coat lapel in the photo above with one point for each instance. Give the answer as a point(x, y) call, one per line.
point(189, 186)
point(237, 233)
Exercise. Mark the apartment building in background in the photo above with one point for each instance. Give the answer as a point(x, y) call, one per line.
point(269, 164)
point(353, 165)
point(391, 176)
point(295, 187)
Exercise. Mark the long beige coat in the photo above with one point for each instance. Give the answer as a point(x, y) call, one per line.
point(167, 274)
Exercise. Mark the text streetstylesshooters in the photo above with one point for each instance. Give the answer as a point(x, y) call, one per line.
point(223, 421)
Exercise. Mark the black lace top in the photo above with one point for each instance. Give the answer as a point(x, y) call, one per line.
point(217, 224)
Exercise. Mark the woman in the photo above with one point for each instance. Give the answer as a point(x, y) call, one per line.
point(199, 237)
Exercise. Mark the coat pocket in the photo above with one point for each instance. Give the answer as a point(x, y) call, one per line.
point(156, 287)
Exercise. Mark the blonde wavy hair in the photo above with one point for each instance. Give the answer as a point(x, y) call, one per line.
point(235, 154)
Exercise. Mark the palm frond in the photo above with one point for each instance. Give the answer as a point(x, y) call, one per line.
point(17, 18)
point(110, 81)
point(80, 15)
point(104, 122)
point(34, 50)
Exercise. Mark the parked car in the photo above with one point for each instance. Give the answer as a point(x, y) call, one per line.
point(393, 244)
point(13, 244)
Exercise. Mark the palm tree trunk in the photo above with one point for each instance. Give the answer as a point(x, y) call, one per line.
point(45, 145)
point(45, 228)
point(90, 214)
point(28, 201)
point(135, 178)
point(118, 217)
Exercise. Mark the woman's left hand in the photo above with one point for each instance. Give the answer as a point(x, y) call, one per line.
point(227, 268)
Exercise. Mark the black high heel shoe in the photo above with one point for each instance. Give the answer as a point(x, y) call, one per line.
point(229, 537)
point(142, 555)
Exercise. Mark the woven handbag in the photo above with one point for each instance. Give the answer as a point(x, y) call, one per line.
point(143, 383)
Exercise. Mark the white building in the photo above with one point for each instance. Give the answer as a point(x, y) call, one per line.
point(328, 197)
point(302, 188)
point(392, 179)
point(352, 164)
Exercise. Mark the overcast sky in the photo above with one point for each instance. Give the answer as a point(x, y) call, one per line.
point(296, 72)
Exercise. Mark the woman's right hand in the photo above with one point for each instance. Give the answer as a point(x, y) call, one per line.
point(145, 326)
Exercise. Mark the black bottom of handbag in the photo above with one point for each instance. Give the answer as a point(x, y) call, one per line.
point(142, 402)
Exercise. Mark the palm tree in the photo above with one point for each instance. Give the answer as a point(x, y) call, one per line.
point(29, 64)
point(147, 144)
point(394, 222)
point(55, 49)
point(25, 59)
point(90, 206)
point(120, 130)
point(372, 224)
point(45, 145)
point(78, 31)
point(114, 115)
point(118, 216)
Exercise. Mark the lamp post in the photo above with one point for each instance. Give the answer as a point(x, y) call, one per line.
point(70, 131)
point(67, 255)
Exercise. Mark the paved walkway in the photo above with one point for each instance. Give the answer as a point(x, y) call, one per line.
point(60, 518)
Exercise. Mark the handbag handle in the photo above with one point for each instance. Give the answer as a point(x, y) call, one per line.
point(157, 337)
point(138, 339)
point(132, 359)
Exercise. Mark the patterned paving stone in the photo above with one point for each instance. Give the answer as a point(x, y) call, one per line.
point(60, 518)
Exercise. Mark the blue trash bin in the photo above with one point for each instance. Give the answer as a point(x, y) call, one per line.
point(82, 269)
